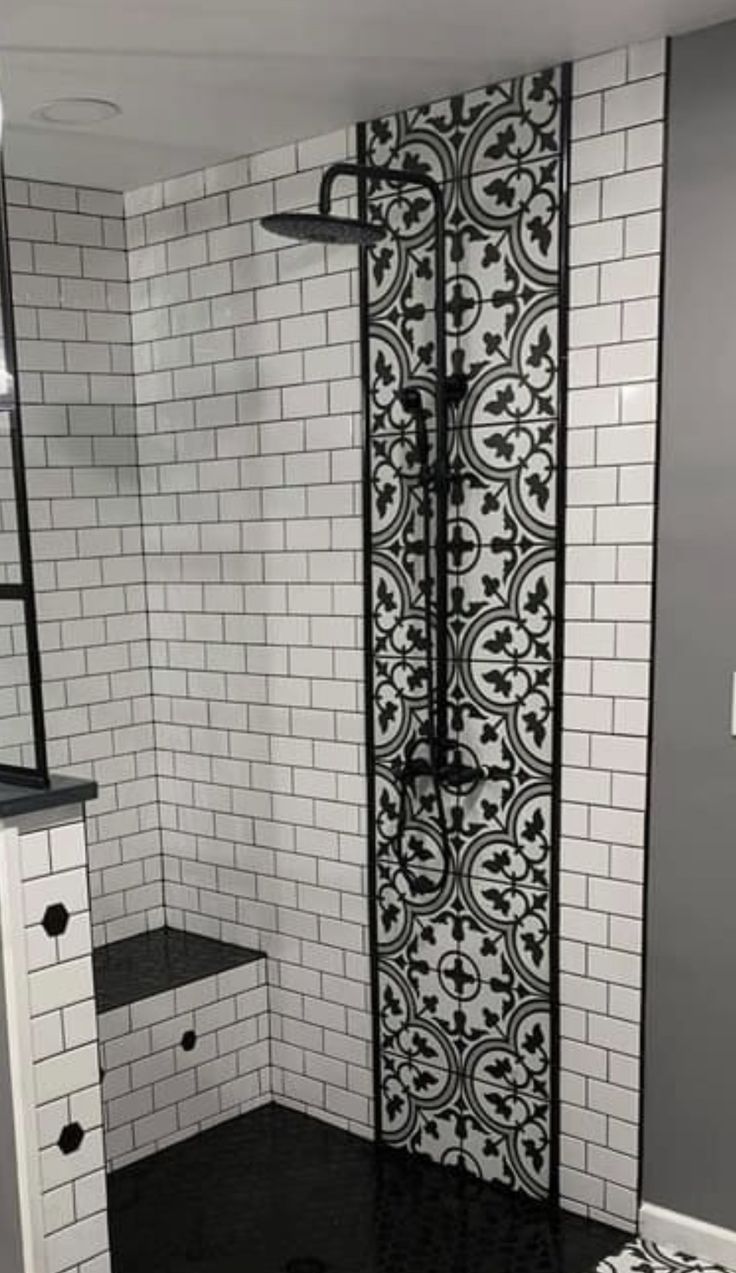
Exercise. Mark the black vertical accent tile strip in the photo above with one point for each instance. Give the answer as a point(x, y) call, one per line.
point(653, 624)
point(41, 772)
point(559, 605)
point(439, 725)
point(366, 488)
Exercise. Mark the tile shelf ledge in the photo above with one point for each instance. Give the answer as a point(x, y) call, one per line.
point(18, 798)
point(158, 961)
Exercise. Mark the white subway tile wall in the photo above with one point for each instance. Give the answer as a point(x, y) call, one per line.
point(64, 1044)
point(71, 294)
point(616, 209)
point(246, 361)
point(160, 1086)
point(16, 719)
point(242, 459)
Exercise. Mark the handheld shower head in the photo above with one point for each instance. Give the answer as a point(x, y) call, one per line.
point(318, 228)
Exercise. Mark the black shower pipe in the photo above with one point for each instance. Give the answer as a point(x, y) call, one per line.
point(398, 176)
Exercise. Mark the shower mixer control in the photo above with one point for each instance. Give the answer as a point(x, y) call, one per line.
point(411, 401)
point(451, 772)
point(456, 388)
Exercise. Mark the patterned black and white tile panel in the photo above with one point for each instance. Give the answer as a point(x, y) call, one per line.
point(463, 946)
point(643, 1256)
point(489, 128)
point(500, 716)
point(501, 556)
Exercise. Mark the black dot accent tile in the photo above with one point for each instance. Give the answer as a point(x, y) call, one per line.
point(55, 919)
point(151, 963)
point(275, 1191)
point(71, 1138)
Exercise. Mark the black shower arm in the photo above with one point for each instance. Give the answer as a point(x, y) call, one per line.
point(402, 177)
point(399, 176)
point(374, 172)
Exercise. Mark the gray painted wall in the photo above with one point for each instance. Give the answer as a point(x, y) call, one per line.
point(690, 1075)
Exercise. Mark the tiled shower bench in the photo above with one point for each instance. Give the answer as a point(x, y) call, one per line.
point(184, 1038)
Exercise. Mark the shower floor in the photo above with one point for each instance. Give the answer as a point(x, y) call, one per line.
point(277, 1192)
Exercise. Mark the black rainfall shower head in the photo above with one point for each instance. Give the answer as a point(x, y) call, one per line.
point(324, 229)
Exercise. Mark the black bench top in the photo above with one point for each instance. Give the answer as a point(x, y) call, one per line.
point(154, 962)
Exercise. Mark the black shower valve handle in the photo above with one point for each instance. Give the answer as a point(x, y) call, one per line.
point(456, 775)
point(456, 388)
point(417, 767)
point(410, 399)
point(452, 774)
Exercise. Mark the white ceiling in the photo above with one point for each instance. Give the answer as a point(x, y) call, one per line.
point(200, 81)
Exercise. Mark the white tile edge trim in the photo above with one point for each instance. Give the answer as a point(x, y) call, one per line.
point(20, 1049)
point(687, 1233)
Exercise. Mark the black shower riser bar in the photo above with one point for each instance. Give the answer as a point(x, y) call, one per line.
point(325, 228)
point(443, 767)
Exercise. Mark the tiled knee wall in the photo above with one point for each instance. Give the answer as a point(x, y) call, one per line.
point(56, 974)
point(616, 212)
point(246, 358)
point(72, 300)
point(177, 1063)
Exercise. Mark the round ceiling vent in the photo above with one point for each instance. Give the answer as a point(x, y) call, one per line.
point(77, 110)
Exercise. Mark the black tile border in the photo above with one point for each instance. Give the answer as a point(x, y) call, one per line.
point(566, 97)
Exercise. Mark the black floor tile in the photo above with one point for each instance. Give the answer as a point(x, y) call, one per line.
point(276, 1192)
point(150, 963)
